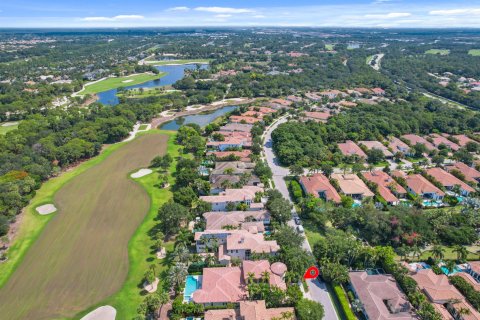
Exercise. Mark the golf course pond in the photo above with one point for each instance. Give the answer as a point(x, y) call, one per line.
point(174, 73)
point(202, 119)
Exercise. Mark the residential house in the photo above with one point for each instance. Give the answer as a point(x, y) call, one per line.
point(236, 127)
point(350, 148)
point(351, 185)
point(263, 110)
point(319, 186)
point(243, 119)
point(250, 310)
point(381, 296)
point(230, 143)
point(331, 94)
point(449, 181)
point(377, 145)
point(313, 96)
point(235, 243)
point(223, 285)
point(462, 139)
point(413, 139)
point(418, 185)
point(378, 91)
point(233, 167)
point(281, 103)
point(244, 195)
point(438, 140)
point(318, 116)
point(243, 156)
point(220, 182)
point(445, 298)
point(473, 269)
point(238, 219)
point(397, 145)
point(471, 174)
point(388, 188)
point(294, 99)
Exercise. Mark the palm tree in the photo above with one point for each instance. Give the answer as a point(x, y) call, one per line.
point(464, 311)
point(438, 252)
point(451, 265)
point(250, 277)
point(181, 254)
point(417, 252)
point(461, 251)
point(177, 275)
point(266, 276)
point(183, 237)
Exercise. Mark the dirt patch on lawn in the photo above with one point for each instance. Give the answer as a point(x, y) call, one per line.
point(81, 256)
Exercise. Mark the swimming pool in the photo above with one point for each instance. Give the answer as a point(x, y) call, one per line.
point(460, 199)
point(431, 203)
point(192, 283)
point(448, 273)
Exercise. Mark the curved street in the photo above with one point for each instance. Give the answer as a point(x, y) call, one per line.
point(317, 289)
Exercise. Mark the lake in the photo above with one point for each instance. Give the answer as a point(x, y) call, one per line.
point(174, 73)
point(202, 119)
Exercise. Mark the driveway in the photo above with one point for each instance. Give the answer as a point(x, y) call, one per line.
point(317, 289)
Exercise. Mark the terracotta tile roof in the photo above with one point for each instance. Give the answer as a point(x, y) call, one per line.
point(319, 183)
point(218, 220)
point(471, 174)
point(349, 148)
point(294, 99)
point(244, 240)
point(378, 91)
point(463, 139)
point(376, 145)
point(347, 103)
point(475, 266)
point(264, 110)
point(249, 310)
point(352, 184)
point(385, 183)
point(254, 114)
point(438, 140)
point(234, 195)
point(282, 102)
point(220, 285)
point(323, 116)
point(258, 267)
point(448, 179)
point(236, 127)
point(421, 185)
point(248, 120)
point(231, 141)
point(414, 139)
point(244, 155)
point(381, 296)
point(469, 279)
point(398, 145)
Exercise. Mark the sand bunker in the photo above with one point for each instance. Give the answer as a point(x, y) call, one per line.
point(151, 287)
point(127, 81)
point(9, 124)
point(46, 209)
point(101, 313)
point(141, 173)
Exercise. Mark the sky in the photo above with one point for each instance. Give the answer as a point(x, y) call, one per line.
point(177, 13)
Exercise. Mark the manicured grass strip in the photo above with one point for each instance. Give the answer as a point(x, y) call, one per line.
point(119, 82)
point(329, 46)
point(143, 127)
point(450, 255)
point(474, 52)
point(5, 129)
point(180, 61)
point(141, 255)
point(442, 52)
point(347, 312)
point(81, 257)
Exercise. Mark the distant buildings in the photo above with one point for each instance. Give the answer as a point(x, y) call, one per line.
point(244, 195)
point(449, 181)
point(351, 185)
point(319, 186)
point(350, 148)
point(377, 145)
point(420, 186)
point(388, 188)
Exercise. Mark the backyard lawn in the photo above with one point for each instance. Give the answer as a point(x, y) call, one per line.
point(474, 52)
point(85, 253)
point(442, 52)
point(119, 82)
point(450, 255)
point(329, 46)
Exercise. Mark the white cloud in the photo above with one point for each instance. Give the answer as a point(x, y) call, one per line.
point(259, 16)
point(381, 1)
point(455, 12)
point(179, 9)
point(116, 18)
point(391, 15)
point(223, 16)
point(224, 10)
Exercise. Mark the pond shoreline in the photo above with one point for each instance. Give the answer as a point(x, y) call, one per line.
point(156, 122)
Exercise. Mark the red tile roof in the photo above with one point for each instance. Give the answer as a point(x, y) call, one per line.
point(471, 174)
point(385, 183)
point(349, 148)
point(376, 145)
point(448, 179)
point(421, 185)
point(414, 139)
point(319, 183)
point(438, 140)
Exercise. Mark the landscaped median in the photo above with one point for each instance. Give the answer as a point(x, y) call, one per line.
point(343, 302)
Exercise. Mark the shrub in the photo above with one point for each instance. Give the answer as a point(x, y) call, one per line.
point(467, 290)
point(344, 302)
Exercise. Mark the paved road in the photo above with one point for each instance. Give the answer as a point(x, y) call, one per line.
point(317, 289)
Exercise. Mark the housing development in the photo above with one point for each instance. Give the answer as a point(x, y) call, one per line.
point(221, 172)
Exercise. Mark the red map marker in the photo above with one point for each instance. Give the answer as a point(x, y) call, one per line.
point(311, 273)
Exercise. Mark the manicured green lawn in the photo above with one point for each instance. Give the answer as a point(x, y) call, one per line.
point(450, 255)
point(474, 52)
point(180, 61)
point(4, 129)
point(442, 52)
point(369, 59)
point(143, 127)
point(118, 82)
point(141, 255)
point(329, 46)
